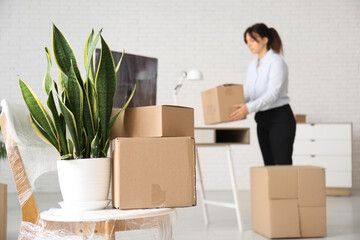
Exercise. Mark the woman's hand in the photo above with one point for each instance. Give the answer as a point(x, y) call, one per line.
point(240, 112)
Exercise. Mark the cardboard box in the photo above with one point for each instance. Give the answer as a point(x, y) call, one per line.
point(218, 103)
point(288, 201)
point(300, 118)
point(154, 121)
point(3, 211)
point(154, 172)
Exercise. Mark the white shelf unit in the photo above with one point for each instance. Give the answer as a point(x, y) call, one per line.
point(327, 145)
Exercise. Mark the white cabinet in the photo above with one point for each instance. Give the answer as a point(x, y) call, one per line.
point(328, 146)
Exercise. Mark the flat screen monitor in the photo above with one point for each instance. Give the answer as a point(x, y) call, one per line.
point(134, 68)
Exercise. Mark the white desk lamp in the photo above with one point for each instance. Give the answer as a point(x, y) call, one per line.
point(191, 75)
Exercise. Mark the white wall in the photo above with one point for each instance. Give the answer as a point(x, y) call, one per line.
point(321, 43)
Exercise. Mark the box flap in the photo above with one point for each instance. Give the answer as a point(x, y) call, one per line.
point(175, 106)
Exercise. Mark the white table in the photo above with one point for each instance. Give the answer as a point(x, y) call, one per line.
point(222, 138)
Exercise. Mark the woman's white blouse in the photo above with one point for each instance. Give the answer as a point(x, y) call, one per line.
point(266, 84)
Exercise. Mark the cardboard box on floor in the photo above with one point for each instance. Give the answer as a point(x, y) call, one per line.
point(3, 211)
point(218, 103)
point(153, 172)
point(288, 201)
point(154, 121)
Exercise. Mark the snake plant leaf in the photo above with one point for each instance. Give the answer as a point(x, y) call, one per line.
point(105, 84)
point(71, 123)
point(95, 150)
point(61, 117)
point(58, 124)
point(89, 51)
point(47, 83)
point(37, 110)
point(76, 100)
point(88, 116)
point(106, 148)
point(89, 75)
point(87, 46)
point(118, 66)
point(66, 157)
point(64, 82)
point(86, 148)
point(64, 54)
point(42, 134)
point(115, 117)
point(70, 145)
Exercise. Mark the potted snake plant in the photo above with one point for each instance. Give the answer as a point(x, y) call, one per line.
point(79, 125)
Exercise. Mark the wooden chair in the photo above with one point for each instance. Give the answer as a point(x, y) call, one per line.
point(102, 224)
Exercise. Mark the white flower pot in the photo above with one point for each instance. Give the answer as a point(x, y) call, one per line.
point(84, 183)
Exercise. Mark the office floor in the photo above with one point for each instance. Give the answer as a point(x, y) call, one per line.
point(343, 218)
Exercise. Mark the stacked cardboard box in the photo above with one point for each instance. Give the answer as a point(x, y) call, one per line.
point(218, 103)
point(154, 158)
point(154, 121)
point(3, 210)
point(288, 201)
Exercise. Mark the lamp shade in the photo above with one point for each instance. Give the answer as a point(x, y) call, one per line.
point(194, 75)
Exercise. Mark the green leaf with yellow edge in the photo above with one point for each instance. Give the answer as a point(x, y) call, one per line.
point(118, 66)
point(38, 111)
point(89, 52)
point(60, 128)
point(105, 84)
point(47, 83)
point(71, 124)
point(64, 54)
point(115, 117)
point(95, 146)
point(76, 100)
point(42, 134)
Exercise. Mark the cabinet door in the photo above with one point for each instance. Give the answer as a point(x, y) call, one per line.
point(322, 147)
point(323, 131)
point(330, 163)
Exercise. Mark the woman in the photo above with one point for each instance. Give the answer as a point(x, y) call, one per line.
point(265, 92)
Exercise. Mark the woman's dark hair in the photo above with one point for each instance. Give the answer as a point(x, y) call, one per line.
point(274, 41)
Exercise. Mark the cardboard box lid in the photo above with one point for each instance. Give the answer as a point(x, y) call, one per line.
point(305, 183)
point(168, 162)
point(154, 121)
